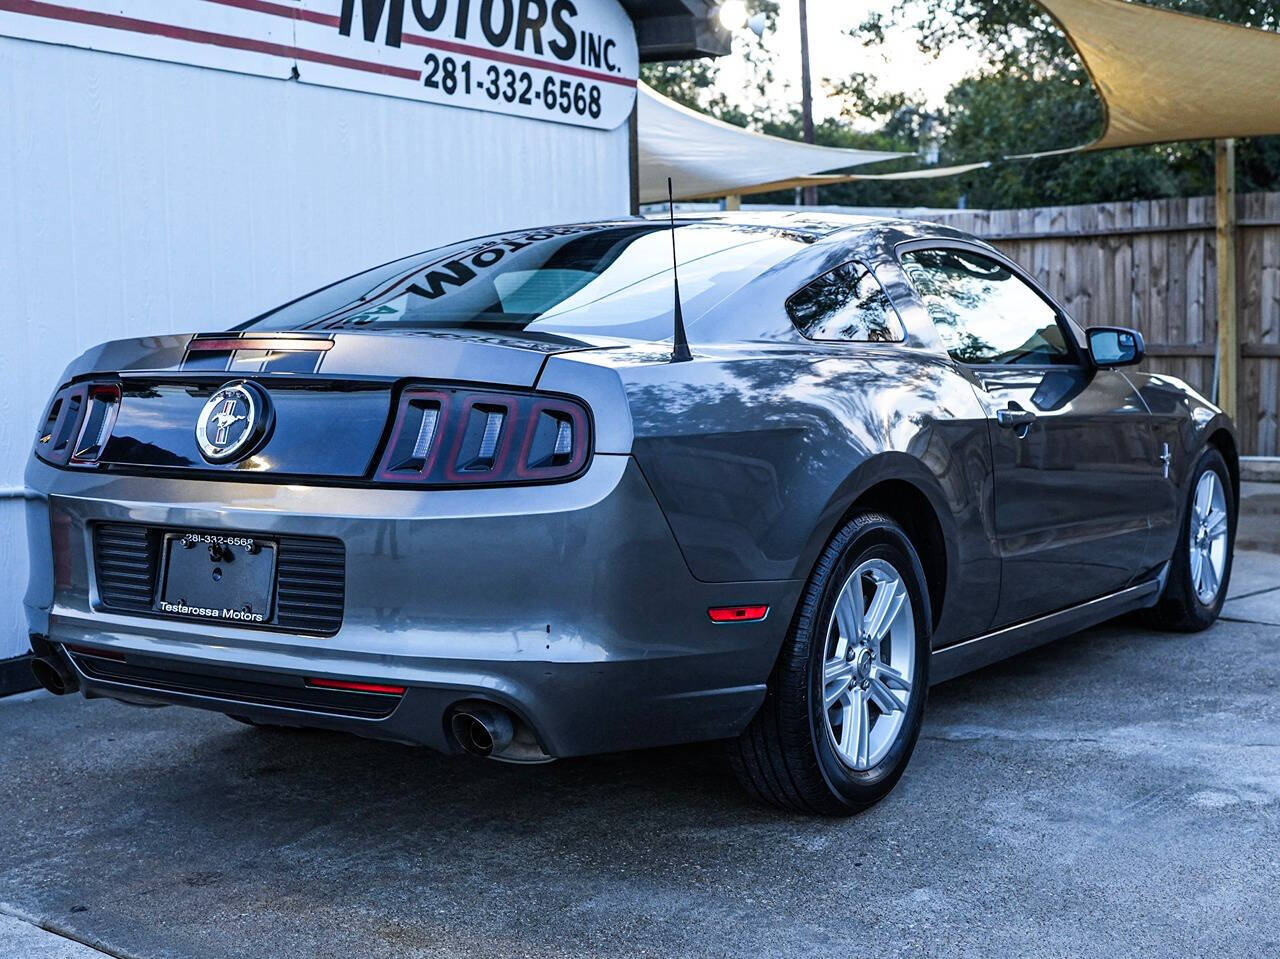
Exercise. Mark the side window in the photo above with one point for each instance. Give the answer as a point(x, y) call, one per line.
point(985, 314)
point(846, 304)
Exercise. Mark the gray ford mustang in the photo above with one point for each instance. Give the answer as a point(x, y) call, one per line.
point(484, 499)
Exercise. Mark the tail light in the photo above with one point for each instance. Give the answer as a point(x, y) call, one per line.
point(448, 437)
point(78, 424)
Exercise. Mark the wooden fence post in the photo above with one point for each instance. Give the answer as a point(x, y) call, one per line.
point(1228, 352)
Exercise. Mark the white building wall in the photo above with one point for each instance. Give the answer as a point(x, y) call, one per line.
point(142, 197)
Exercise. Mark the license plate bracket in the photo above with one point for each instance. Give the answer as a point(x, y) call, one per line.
point(218, 577)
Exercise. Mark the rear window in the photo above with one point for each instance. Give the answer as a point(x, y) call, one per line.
point(612, 280)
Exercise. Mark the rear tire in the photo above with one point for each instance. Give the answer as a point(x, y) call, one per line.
point(1186, 605)
point(846, 699)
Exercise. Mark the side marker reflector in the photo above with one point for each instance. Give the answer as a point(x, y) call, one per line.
point(737, 614)
point(356, 687)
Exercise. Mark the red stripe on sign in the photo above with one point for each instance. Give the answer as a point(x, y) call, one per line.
point(448, 46)
point(111, 21)
point(483, 53)
point(280, 10)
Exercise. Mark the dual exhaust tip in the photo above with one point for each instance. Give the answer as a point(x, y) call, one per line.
point(493, 732)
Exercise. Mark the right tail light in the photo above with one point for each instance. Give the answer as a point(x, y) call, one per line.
point(456, 437)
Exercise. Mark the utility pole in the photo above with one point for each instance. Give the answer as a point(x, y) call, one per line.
point(1228, 350)
point(806, 94)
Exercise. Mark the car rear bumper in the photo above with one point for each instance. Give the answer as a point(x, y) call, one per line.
point(570, 605)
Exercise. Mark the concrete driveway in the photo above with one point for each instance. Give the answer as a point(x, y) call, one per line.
point(1117, 793)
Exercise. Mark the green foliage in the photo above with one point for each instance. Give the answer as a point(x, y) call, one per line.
point(1019, 33)
point(1030, 94)
point(688, 82)
point(692, 83)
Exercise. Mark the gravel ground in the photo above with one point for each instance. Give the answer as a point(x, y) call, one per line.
point(1114, 794)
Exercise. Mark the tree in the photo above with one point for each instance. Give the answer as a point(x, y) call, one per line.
point(693, 82)
point(1013, 33)
point(1032, 94)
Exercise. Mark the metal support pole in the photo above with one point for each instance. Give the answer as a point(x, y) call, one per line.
point(1227, 362)
point(633, 156)
point(806, 94)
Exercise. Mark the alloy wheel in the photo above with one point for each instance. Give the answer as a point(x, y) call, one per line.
point(869, 664)
point(1208, 537)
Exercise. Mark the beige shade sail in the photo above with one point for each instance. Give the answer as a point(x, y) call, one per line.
point(923, 173)
point(1166, 76)
point(706, 157)
point(1161, 75)
point(832, 179)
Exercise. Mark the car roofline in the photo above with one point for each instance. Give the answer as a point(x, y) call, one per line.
point(829, 227)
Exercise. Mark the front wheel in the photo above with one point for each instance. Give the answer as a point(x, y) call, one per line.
point(1200, 568)
point(846, 698)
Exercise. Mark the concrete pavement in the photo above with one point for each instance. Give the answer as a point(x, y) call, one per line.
point(1259, 525)
point(22, 938)
point(1114, 794)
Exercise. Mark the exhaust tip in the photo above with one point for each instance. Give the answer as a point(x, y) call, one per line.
point(472, 735)
point(53, 678)
point(481, 730)
point(494, 732)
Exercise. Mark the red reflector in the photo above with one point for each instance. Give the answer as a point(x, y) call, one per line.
point(356, 687)
point(737, 614)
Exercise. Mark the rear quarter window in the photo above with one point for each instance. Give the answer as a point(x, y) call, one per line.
point(846, 305)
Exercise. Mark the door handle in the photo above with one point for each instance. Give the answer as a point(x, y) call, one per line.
point(1015, 419)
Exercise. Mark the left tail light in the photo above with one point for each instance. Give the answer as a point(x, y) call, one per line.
point(456, 437)
point(78, 424)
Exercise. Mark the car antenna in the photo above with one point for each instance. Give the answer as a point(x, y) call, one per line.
point(680, 345)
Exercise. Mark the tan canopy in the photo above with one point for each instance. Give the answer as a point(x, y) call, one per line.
point(1161, 75)
point(1166, 76)
point(706, 157)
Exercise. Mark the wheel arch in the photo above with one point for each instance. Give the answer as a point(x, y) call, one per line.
point(902, 488)
point(908, 506)
point(1225, 443)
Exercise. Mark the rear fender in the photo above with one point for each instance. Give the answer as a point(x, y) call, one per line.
point(885, 467)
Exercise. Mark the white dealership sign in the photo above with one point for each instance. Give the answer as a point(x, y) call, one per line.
point(566, 61)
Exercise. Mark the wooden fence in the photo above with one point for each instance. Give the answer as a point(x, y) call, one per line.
point(1152, 265)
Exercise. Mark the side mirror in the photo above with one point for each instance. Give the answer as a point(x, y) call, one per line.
point(1112, 346)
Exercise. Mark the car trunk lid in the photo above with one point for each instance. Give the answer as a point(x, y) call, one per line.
point(492, 358)
point(330, 394)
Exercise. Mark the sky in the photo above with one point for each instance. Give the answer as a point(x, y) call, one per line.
point(898, 64)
